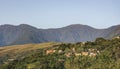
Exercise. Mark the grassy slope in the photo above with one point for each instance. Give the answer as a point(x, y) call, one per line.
point(17, 51)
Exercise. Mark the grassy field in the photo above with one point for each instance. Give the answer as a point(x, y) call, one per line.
point(17, 51)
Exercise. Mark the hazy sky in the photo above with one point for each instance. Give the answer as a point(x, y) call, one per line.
point(60, 13)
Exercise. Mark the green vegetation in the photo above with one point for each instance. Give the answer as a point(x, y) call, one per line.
point(100, 54)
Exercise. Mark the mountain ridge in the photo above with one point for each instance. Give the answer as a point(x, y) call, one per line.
point(23, 34)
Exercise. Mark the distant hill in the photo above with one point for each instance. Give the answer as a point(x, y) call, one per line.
point(23, 34)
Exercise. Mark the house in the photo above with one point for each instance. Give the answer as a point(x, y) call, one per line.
point(78, 54)
point(84, 53)
point(73, 49)
point(60, 51)
point(83, 43)
point(50, 51)
point(61, 60)
point(92, 50)
point(11, 59)
point(69, 54)
point(92, 54)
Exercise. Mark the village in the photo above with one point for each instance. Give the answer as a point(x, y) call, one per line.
point(89, 52)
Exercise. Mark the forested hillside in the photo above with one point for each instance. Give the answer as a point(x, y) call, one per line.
point(101, 54)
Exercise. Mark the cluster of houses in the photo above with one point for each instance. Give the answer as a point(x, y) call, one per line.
point(89, 52)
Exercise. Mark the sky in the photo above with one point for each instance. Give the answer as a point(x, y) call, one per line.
point(60, 13)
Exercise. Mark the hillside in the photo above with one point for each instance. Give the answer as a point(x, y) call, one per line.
point(24, 34)
point(20, 51)
point(100, 54)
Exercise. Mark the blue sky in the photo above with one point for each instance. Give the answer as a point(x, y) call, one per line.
point(60, 13)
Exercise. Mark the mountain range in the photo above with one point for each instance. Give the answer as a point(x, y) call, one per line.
point(24, 34)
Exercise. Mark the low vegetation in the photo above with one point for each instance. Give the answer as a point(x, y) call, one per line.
point(100, 54)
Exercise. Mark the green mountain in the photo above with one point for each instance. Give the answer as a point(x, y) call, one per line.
point(100, 54)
